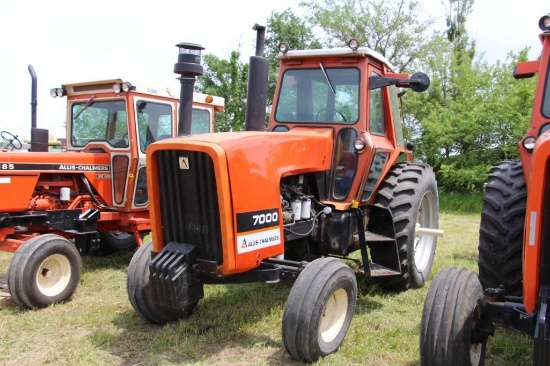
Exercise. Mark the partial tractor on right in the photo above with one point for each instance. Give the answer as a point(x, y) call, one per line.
point(513, 285)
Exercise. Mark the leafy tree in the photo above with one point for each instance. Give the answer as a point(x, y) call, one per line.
point(228, 79)
point(395, 28)
point(469, 122)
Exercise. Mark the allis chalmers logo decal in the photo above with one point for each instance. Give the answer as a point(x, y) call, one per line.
point(184, 162)
point(55, 167)
point(258, 240)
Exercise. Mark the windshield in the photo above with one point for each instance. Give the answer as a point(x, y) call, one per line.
point(327, 95)
point(99, 121)
point(546, 98)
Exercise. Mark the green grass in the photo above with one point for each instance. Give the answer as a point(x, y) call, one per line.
point(460, 202)
point(233, 324)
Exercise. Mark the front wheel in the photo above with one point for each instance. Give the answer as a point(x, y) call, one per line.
point(44, 270)
point(319, 309)
point(140, 292)
point(451, 329)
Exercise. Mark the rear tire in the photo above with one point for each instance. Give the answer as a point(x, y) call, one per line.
point(501, 228)
point(44, 270)
point(319, 309)
point(449, 333)
point(119, 240)
point(139, 290)
point(410, 193)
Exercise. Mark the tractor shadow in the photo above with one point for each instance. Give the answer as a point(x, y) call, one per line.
point(232, 324)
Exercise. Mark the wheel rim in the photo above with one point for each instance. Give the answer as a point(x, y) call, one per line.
point(423, 244)
point(54, 274)
point(334, 315)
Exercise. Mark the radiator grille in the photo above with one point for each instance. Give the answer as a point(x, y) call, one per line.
point(189, 201)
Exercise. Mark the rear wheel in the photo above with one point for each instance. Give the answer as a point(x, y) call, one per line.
point(319, 309)
point(450, 329)
point(410, 193)
point(44, 270)
point(140, 292)
point(119, 240)
point(501, 228)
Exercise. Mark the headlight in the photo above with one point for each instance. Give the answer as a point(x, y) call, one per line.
point(359, 145)
point(126, 87)
point(117, 88)
point(284, 47)
point(544, 23)
point(529, 143)
point(57, 92)
point(353, 44)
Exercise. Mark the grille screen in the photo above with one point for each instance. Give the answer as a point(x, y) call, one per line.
point(189, 201)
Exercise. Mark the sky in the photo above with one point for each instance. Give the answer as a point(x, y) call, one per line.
point(76, 41)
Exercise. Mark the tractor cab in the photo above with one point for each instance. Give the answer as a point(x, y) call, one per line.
point(342, 90)
point(123, 119)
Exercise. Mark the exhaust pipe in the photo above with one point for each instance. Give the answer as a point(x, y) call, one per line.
point(256, 96)
point(39, 136)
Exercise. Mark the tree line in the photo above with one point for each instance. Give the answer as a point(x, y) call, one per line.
point(472, 116)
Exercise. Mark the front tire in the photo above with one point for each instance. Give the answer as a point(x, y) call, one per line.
point(501, 228)
point(410, 193)
point(140, 292)
point(319, 309)
point(450, 327)
point(45, 270)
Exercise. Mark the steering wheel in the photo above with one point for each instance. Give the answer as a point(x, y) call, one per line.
point(324, 109)
point(11, 140)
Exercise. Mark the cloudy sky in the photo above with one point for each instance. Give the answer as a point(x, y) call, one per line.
point(76, 41)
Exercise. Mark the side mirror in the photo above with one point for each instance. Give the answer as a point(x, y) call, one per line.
point(418, 82)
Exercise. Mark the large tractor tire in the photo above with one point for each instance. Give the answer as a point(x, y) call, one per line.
point(139, 290)
point(410, 193)
point(501, 228)
point(450, 332)
point(319, 309)
point(44, 270)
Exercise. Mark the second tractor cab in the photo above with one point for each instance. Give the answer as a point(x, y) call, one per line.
point(93, 195)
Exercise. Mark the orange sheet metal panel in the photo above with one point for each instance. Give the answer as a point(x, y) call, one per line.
point(16, 190)
point(257, 162)
point(534, 222)
point(95, 166)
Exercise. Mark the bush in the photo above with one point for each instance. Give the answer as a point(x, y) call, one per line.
point(460, 202)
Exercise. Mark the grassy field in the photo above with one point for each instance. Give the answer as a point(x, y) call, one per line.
point(234, 324)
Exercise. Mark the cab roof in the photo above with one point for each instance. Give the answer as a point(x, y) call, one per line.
point(338, 52)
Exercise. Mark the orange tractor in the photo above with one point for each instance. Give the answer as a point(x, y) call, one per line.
point(328, 186)
point(513, 285)
point(58, 206)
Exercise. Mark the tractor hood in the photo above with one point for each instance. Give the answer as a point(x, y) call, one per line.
point(256, 161)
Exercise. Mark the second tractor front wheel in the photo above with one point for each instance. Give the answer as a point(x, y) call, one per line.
point(44, 270)
point(319, 309)
point(452, 329)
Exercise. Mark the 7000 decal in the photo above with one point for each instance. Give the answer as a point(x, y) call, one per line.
point(249, 221)
point(266, 218)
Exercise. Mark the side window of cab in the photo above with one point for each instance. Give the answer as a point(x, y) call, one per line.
point(376, 111)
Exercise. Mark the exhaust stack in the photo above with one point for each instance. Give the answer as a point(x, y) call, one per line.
point(256, 96)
